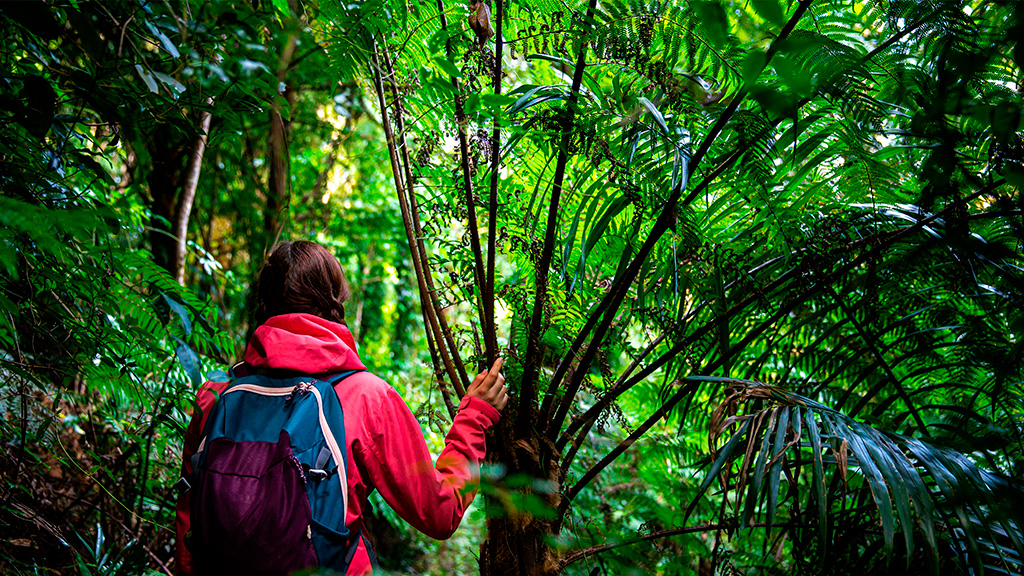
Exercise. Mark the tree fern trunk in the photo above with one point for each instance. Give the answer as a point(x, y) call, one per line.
point(516, 545)
point(518, 541)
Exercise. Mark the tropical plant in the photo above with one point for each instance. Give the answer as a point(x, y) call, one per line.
point(805, 212)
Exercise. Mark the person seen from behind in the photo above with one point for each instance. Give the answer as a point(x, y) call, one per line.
point(300, 316)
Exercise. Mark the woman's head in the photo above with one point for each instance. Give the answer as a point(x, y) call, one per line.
point(301, 277)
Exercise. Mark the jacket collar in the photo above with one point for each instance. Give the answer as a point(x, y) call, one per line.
point(304, 343)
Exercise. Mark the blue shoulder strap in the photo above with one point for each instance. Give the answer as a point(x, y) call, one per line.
point(334, 379)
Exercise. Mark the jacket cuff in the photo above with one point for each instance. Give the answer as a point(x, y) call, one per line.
point(486, 410)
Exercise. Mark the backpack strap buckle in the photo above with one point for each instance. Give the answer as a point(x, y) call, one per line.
point(319, 475)
point(317, 471)
point(182, 485)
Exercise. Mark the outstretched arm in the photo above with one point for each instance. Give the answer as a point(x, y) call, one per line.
point(433, 497)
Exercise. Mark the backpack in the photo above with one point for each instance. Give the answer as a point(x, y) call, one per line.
point(269, 490)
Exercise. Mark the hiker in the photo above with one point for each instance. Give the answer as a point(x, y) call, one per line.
point(300, 318)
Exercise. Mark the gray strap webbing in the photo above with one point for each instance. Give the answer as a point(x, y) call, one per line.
point(322, 458)
point(317, 472)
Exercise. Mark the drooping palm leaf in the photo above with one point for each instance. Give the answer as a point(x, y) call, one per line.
point(913, 484)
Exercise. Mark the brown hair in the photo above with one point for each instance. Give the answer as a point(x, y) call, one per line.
point(301, 276)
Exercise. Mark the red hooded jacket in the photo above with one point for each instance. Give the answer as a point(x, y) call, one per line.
point(386, 448)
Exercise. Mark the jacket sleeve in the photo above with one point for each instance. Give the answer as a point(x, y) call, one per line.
point(204, 401)
point(431, 497)
point(182, 558)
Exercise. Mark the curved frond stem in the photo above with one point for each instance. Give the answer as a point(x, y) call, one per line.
point(427, 296)
point(585, 426)
point(585, 553)
point(531, 372)
point(412, 33)
point(616, 296)
point(622, 284)
point(896, 37)
point(622, 386)
point(598, 311)
point(581, 335)
point(490, 337)
point(653, 419)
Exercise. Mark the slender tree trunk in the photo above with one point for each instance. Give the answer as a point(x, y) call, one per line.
point(188, 193)
point(516, 545)
point(279, 188)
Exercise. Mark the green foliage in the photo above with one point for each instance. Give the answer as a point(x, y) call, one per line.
point(806, 214)
point(820, 196)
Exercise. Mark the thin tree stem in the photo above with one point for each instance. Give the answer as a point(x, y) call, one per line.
point(428, 277)
point(594, 550)
point(188, 192)
point(426, 297)
point(528, 390)
point(490, 337)
point(467, 184)
point(873, 348)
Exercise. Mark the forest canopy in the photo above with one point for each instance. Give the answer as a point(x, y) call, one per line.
point(754, 266)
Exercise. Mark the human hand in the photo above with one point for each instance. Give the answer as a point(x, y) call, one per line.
point(489, 386)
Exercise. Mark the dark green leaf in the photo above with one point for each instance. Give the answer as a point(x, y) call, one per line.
point(770, 10)
point(713, 20)
point(189, 361)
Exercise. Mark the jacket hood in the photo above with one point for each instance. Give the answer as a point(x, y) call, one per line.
point(304, 343)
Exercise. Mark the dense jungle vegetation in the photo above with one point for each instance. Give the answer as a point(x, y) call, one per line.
point(755, 267)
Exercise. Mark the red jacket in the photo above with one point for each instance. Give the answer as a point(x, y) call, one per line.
point(386, 448)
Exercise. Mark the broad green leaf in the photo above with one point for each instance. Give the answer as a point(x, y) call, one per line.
point(775, 474)
point(189, 361)
point(897, 485)
point(655, 113)
point(180, 311)
point(770, 10)
point(177, 88)
point(818, 478)
point(165, 41)
point(724, 455)
point(535, 96)
point(713, 21)
point(872, 474)
point(754, 492)
point(448, 68)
